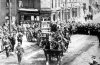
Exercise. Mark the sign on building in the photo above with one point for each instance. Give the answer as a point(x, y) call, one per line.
point(45, 4)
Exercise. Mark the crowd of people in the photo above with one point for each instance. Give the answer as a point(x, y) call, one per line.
point(12, 40)
point(84, 28)
point(58, 38)
point(89, 17)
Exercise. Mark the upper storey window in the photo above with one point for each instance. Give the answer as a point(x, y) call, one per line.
point(29, 3)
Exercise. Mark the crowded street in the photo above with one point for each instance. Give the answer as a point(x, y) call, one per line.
point(49, 32)
point(81, 48)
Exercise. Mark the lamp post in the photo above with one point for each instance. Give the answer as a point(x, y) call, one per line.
point(9, 16)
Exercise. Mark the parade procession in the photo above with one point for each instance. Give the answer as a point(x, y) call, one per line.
point(50, 32)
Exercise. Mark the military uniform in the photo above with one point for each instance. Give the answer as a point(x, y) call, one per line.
point(19, 52)
point(19, 37)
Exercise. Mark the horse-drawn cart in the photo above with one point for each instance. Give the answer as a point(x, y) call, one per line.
point(52, 49)
point(52, 53)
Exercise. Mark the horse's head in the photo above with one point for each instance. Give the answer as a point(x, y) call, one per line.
point(43, 43)
point(54, 45)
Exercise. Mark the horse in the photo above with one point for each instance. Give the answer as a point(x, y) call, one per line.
point(52, 49)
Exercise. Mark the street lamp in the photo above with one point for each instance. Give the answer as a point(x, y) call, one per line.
point(9, 16)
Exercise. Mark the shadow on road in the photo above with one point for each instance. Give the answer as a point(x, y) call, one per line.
point(74, 56)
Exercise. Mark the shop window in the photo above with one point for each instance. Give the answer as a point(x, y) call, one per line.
point(37, 18)
point(47, 19)
point(27, 17)
point(32, 18)
point(41, 18)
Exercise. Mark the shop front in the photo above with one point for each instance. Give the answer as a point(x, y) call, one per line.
point(29, 18)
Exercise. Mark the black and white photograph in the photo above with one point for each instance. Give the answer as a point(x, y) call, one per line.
point(49, 32)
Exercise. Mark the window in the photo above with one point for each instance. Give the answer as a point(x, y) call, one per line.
point(28, 3)
point(84, 6)
point(41, 18)
point(58, 3)
point(7, 3)
point(55, 3)
point(32, 18)
point(74, 12)
point(47, 19)
point(68, 13)
point(20, 4)
point(52, 3)
point(37, 18)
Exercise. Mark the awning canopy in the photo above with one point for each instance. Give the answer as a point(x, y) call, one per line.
point(25, 9)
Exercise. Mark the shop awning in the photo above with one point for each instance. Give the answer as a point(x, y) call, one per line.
point(24, 9)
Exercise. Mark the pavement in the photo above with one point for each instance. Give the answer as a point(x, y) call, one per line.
point(96, 15)
point(96, 18)
point(81, 50)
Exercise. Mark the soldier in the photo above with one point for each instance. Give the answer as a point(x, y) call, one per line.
point(7, 45)
point(19, 37)
point(19, 51)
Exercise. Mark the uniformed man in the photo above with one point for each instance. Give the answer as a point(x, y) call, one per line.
point(19, 51)
point(19, 37)
point(7, 45)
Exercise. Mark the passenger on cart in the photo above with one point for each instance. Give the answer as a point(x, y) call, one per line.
point(45, 44)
